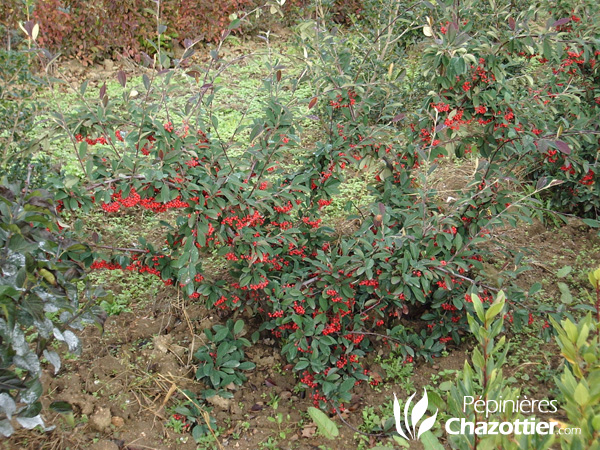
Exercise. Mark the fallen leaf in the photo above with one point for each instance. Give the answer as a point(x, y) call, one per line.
point(353, 407)
point(219, 402)
point(376, 377)
point(309, 431)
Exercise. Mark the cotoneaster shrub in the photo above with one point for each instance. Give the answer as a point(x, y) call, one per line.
point(521, 93)
point(324, 295)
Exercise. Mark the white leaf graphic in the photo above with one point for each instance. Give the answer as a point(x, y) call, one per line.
point(398, 416)
point(427, 424)
point(418, 411)
point(406, 415)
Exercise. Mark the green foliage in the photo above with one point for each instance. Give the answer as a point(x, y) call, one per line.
point(221, 361)
point(317, 291)
point(398, 371)
point(18, 108)
point(192, 414)
point(40, 303)
point(126, 290)
point(484, 380)
point(387, 27)
point(519, 92)
point(411, 251)
point(39, 300)
point(579, 383)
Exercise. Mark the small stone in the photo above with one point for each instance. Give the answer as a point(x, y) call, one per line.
point(162, 343)
point(435, 367)
point(109, 64)
point(285, 395)
point(178, 350)
point(234, 409)
point(117, 421)
point(219, 402)
point(101, 419)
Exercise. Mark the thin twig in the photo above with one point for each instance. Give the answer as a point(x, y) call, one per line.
point(206, 418)
point(472, 281)
point(138, 445)
point(385, 336)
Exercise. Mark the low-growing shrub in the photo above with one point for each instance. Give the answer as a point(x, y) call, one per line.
point(221, 361)
point(414, 252)
point(41, 304)
point(324, 296)
point(527, 102)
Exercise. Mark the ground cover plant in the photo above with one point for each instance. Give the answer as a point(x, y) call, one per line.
point(250, 189)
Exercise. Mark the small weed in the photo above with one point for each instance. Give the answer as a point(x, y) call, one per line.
point(128, 288)
point(279, 421)
point(274, 402)
point(241, 428)
point(398, 372)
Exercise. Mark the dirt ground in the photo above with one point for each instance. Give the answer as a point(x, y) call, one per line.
point(127, 377)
